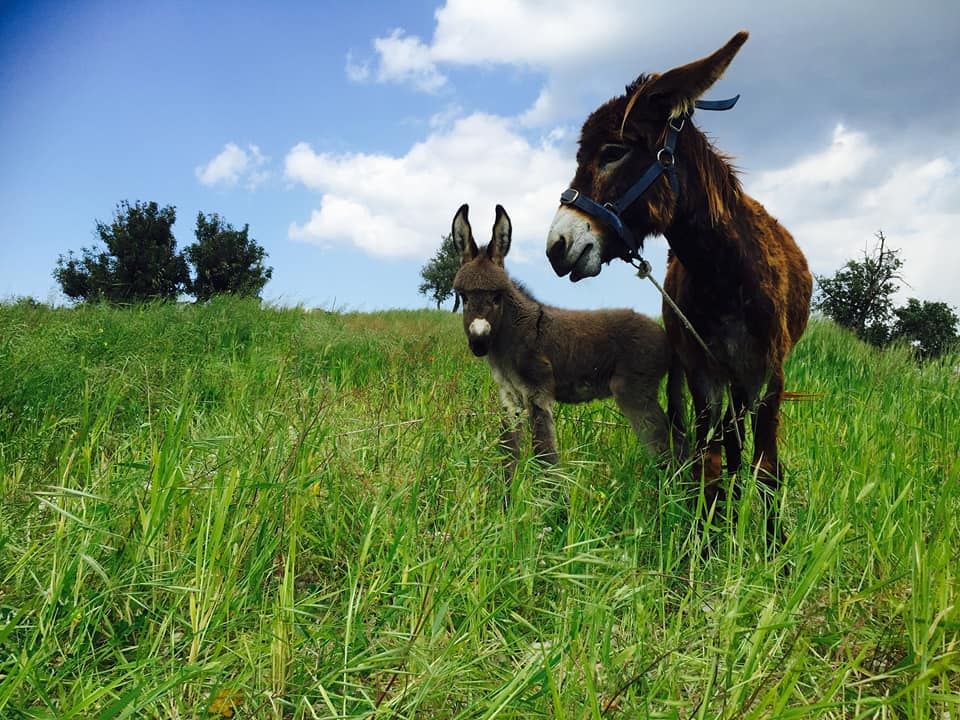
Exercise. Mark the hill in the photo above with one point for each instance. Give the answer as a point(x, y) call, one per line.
point(215, 510)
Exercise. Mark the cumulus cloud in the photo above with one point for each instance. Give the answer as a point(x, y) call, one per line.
point(887, 166)
point(405, 59)
point(586, 51)
point(401, 59)
point(533, 35)
point(400, 206)
point(357, 71)
point(835, 199)
point(536, 34)
point(233, 166)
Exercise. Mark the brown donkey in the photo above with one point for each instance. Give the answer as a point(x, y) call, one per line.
point(643, 168)
point(540, 354)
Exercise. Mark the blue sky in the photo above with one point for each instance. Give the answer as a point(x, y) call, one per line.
point(347, 135)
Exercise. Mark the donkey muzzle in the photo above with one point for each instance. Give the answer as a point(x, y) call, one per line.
point(478, 335)
point(479, 346)
point(573, 245)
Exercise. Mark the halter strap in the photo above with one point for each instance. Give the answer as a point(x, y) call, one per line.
point(665, 162)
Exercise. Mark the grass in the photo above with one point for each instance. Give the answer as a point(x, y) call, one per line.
point(215, 511)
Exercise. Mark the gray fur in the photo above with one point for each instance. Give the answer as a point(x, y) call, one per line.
point(540, 355)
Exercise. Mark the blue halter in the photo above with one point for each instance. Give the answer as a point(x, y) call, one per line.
point(666, 162)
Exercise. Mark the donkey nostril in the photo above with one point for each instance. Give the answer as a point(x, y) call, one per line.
point(557, 251)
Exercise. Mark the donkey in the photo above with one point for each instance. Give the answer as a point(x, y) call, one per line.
point(540, 355)
point(643, 168)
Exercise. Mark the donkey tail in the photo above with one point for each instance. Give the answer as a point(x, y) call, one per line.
point(675, 413)
point(796, 396)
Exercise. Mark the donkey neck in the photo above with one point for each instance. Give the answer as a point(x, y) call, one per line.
point(702, 232)
point(704, 249)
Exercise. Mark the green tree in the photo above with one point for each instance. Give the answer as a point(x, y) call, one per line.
point(860, 295)
point(439, 272)
point(140, 261)
point(931, 327)
point(225, 260)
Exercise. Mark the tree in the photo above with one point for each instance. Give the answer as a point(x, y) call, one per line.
point(859, 296)
point(140, 261)
point(439, 272)
point(930, 326)
point(225, 260)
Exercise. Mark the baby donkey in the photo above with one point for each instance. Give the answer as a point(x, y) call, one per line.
point(541, 354)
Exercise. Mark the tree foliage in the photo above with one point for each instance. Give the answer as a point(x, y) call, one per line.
point(860, 295)
point(439, 272)
point(931, 327)
point(225, 260)
point(140, 261)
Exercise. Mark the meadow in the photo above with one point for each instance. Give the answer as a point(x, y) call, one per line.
point(228, 511)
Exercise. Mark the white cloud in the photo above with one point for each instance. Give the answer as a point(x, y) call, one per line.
point(582, 47)
point(400, 206)
point(543, 111)
point(540, 34)
point(570, 36)
point(834, 200)
point(589, 51)
point(405, 59)
point(357, 72)
point(827, 169)
point(445, 117)
point(235, 165)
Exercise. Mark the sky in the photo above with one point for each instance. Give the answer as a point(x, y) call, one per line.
point(347, 134)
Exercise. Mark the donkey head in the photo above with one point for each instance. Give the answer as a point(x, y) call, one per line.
point(481, 281)
point(618, 142)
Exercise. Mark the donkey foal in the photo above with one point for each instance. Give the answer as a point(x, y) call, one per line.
point(541, 354)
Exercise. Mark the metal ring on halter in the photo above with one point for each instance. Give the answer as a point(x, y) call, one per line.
point(670, 159)
point(643, 267)
point(677, 128)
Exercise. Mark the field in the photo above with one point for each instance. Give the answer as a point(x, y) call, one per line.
point(215, 511)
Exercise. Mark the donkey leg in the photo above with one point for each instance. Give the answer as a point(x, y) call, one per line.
point(675, 412)
point(734, 429)
point(765, 457)
point(510, 442)
point(707, 459)
point(544, 434)
point(510, 428)
point(637, 398)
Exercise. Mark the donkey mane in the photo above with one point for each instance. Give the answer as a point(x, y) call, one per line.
point(525, 291)
point(712, 168)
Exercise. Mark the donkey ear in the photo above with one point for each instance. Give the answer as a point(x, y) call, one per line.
point(463, 235)
point(679, 88)
point(502, 234)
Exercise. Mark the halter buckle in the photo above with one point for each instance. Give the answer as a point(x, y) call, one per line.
point(674, 127)
point(569, 196)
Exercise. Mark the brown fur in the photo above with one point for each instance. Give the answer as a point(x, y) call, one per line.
point(540, 354)
point(733, 270)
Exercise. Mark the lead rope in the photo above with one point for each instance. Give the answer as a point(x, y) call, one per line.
point(645, 270)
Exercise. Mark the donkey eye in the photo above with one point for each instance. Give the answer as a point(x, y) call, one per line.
point(497, 298)
point(611, 153)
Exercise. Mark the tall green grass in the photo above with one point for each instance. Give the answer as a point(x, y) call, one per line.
point(220, 509)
